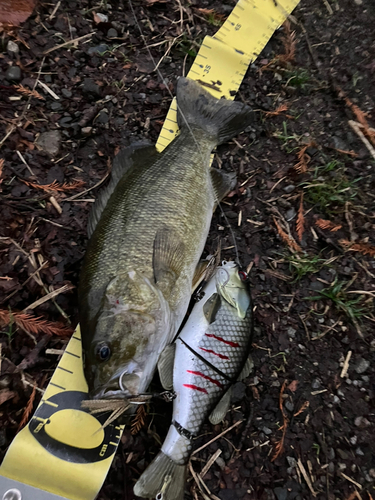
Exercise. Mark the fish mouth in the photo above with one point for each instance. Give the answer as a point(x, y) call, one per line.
point(123, 386)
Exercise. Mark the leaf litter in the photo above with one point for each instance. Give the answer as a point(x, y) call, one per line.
point(93, 118)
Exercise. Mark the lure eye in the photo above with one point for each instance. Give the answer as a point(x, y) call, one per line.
point(103, 352)
point(242, 275)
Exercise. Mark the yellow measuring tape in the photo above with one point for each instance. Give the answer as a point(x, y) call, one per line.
point(63, 449)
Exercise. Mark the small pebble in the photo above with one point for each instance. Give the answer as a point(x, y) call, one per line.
point(103, 117)
point(12, 48)
point(359, 452)
point(266, 431)
point(90, 87)
point(66, 93)
point(289, 406)
point(362, 365)
point(315, 384)
point(99, 49)
point(289, 189)
point(55, 106)
point(86, 131)
point(291, 213)
point(102, 17)
point(291, 332)
point(361, 422)
point(353, 440)
point(112, 33)
point(13, 73)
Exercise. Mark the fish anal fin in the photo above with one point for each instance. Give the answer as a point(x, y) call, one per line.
point(165, 366)
point(168, 257)
point(220, 410)
point(139, 153)
point(222, 182)
point(211, 306)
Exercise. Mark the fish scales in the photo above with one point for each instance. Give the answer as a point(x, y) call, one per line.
point(148, 230)
point(210, 353)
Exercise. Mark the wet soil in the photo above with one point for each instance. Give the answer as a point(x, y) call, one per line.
point(307, 413)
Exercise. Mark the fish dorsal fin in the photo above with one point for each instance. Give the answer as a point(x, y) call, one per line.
point(165, 366)
point(141, 152)
point(220, 410)
point(247, 369)
point(168, 257)
point(211, 307)
point(222, 182)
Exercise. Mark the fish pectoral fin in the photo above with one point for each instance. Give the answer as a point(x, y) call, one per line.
point(220, 410)
point(165, 366)
point(168, 256)
point(247, 369)
point(223, 183)
point(139, 153)
point(211, 307)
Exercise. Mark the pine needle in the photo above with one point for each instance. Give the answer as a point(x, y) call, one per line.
point(34, 325)
point(290, 241)
point(327, 224)
point(139, 420)
point(304, 159)
point(28, 409)
point(24, 91)
point(300, 220)
point(280, 109)
point(55, 186)
point(279, 448)
point(363, 248)
point(1, 169)
point(289, 43)
point(305, 405)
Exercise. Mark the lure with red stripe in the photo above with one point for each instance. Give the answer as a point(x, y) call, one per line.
point(210, 354)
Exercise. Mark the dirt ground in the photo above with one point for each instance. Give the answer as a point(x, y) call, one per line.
point(306, 415)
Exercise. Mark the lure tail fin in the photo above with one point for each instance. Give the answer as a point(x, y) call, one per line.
point(219, 118)
point(163, 479)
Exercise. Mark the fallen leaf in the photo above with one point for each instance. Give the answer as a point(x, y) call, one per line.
point(15, 12)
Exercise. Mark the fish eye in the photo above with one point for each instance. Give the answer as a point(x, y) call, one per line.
point(103, 352)
point(242, 275)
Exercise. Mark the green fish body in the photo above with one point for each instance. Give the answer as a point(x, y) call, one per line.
point(148, 231)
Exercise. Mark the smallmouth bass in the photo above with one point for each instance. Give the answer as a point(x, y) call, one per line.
point(147, 232)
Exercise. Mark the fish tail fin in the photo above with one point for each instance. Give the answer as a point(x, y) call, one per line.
point(219, 118)
point(163, 479)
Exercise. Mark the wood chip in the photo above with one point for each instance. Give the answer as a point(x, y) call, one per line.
point(306, 476)
point(345, 368)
